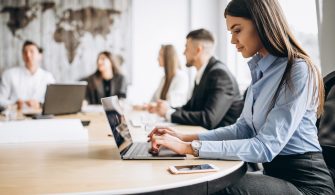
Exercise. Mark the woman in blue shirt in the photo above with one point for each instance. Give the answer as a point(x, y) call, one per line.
point(277, 125)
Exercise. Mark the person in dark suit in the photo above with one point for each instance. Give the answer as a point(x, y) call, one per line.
point(216, 100)
point(106, 81)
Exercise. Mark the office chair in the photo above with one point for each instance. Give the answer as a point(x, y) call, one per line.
point(326, 124)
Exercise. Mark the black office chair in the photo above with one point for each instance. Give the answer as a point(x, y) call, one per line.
point(326, 124)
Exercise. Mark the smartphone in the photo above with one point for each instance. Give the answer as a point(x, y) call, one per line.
point(182, 169)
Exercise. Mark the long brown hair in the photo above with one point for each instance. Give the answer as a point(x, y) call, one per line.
point(115, 66)
point(277, 38)
point(171, 65)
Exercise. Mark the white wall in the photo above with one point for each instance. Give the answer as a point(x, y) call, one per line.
point(52, 27)
point(157, 22)
point(326, 35)
point(210, 15)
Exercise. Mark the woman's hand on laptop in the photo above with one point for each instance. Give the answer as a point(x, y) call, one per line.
point(164, 130)
point(156, 133)
point(169, 138)
point(171, 142)
point(171, 131)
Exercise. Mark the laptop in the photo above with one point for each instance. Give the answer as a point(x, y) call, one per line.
point(127, 148)
point(61, 99)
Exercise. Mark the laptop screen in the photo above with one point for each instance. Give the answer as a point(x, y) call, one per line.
point(117, 122)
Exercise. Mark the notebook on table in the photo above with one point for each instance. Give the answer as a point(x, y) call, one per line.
point(123, 139)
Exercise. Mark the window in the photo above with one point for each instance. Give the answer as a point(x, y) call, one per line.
point(303, 23)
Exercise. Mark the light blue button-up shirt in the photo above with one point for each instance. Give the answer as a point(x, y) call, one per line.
point(261, 134)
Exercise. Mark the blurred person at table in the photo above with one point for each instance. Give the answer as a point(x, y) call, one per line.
point(173, 87)
point(26, 86)
point(108, 80)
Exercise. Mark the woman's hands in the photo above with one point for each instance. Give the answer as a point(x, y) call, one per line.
point(169, 138)
point(162, 131)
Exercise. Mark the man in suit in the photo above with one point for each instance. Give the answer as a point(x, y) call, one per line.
point(216, 100)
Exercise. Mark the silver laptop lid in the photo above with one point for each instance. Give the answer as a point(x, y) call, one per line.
point(117, 123)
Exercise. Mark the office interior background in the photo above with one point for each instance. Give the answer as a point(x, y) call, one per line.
point(73, 32)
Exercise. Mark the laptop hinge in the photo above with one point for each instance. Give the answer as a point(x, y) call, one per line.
point(124, 151)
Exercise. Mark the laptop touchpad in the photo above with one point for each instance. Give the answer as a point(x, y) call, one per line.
point(166, 152)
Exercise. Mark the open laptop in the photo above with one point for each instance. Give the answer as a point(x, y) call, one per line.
point(61, 99)
point(64, 98)
point(127, 148)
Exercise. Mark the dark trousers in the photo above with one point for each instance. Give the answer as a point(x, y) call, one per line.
point(294, 174)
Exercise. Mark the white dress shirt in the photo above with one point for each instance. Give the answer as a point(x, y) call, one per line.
point(18, 83)
point(199, 74)
point(177, 94)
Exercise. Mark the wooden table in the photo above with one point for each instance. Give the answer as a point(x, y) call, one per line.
point(94, 167)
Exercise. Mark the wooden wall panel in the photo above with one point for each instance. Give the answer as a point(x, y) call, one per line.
point(71, 33)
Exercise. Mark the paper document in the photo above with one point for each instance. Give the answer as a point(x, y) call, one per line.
point(92, 109)
point(45, 130)
point(149, 119)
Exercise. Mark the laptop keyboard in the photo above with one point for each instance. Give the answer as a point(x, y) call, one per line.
point(139, 149)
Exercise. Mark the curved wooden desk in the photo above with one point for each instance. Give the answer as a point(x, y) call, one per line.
point(93, 167)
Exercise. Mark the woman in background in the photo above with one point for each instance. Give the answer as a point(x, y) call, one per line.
point(106, 81)
point(174, 85)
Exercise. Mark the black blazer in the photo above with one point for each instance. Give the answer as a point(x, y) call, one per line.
point(327, 121)
point(95, 88)
point(327, 132)
point(215, 102)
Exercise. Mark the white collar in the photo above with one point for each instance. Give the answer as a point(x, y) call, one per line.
point(199, 74)
point(27, 72)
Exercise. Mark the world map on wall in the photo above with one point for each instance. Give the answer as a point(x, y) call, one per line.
point(71, 25)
